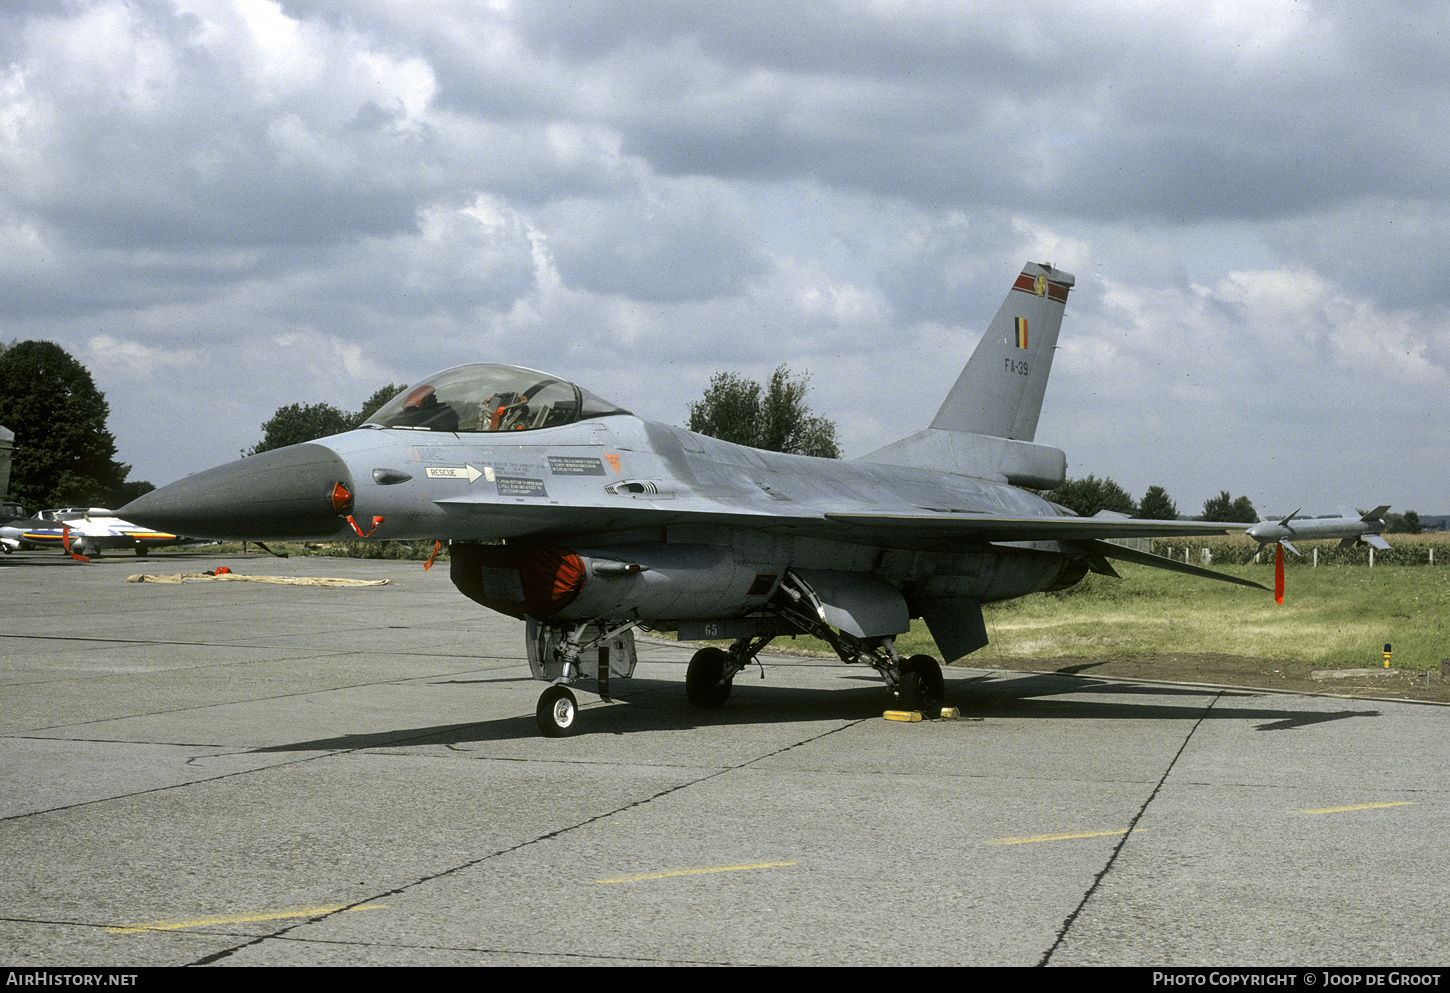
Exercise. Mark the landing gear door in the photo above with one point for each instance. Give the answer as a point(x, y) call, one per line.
point(546, 664)
point(857, 603)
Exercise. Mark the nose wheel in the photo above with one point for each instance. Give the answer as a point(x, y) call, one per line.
point(557, 712)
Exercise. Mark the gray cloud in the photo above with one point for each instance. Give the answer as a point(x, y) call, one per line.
point(224, 207)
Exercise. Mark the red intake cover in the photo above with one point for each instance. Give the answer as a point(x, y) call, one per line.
point(538, 581)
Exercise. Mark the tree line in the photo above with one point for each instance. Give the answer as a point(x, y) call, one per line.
point(1090, 495)
point(64, 454)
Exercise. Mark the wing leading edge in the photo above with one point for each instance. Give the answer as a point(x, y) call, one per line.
point(1090, 535)
point(948, 526)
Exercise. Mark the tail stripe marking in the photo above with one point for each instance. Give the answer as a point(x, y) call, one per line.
point(1056, 292)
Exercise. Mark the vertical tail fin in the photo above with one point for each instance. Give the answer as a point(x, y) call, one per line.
point(999, 393)
point(986, 424)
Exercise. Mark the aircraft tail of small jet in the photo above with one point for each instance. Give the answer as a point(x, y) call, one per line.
point(986, 425)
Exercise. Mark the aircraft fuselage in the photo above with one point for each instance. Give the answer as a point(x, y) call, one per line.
point(703, 519)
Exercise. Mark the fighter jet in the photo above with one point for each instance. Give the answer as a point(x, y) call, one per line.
point(587, 522)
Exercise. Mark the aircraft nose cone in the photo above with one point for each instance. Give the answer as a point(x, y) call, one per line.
point(287, 493)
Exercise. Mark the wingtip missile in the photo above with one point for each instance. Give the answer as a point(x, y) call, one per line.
point(1351, 530)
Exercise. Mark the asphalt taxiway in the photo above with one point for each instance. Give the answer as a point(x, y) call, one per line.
point(240, 773)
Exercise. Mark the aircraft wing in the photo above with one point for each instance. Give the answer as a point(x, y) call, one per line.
point(915, 529)
point(1090, 535)
point(929, 530)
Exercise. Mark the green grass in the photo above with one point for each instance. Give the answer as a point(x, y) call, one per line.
point(1332, 617)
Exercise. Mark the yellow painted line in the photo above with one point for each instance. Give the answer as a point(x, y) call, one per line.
point(275, 915)
point(1360, 806)
point(1058, 837)
point(694, 872)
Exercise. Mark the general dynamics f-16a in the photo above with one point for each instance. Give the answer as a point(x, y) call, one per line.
point(585, 521)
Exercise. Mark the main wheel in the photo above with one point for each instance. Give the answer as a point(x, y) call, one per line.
point(921, 683)
point(557, 712)
point(702, 679)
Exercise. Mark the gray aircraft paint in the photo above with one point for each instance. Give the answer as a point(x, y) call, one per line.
point(648, 523)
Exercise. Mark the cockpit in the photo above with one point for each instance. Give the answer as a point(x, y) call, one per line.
point(487, 397)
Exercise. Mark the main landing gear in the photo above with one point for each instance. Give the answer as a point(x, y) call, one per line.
point(915, 683)
point(706, 682)
point(920, 685)
point(563, 656)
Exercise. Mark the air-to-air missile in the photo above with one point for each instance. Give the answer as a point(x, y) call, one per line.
point(1351, 530)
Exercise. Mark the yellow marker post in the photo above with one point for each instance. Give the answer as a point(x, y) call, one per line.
point(1387, 656)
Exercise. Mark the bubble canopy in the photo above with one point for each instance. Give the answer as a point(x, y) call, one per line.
point(488, 397)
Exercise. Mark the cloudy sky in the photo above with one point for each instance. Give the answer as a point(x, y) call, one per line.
point(225, 206)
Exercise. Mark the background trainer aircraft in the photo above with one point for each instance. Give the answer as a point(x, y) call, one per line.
point(85, 531)
point(585, 521)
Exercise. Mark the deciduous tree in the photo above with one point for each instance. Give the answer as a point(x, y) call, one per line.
point(375, 402)
point(1090, 495)
point(64, 455)
point(774, 418)
point(1406, 523)
point(297, 423)
point(1226, 508)
point(300, 422)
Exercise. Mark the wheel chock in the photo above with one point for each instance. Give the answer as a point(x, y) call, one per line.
point(913, 716)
